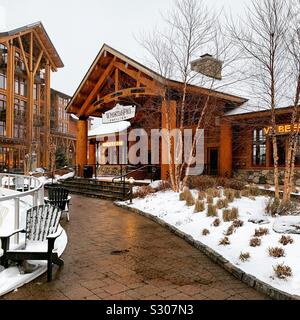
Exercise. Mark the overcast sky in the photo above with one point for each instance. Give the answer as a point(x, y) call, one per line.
point(78, 28)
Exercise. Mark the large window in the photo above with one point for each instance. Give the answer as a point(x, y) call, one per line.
point(259, 148)
point(2, 80)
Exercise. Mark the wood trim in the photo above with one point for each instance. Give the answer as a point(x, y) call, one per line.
point(97, 87)
point(24, 55)
point(38, 62)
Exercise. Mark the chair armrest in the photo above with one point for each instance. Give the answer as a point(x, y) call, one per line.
point(8, 235)
point(55, 235)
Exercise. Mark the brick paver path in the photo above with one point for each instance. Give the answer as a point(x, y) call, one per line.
point(114, 254)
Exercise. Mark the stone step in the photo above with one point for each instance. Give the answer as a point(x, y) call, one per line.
point(97, 194)
point(107, 187)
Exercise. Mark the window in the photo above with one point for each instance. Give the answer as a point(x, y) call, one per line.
point(2, 80)
point(19, 131)
point(2, 115)
point(20, 107)
point(20, 86)
point(259, 149)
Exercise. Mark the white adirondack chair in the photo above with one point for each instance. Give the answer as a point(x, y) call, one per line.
point(3, 213)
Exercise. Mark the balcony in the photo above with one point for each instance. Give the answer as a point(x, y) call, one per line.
point(12, 141)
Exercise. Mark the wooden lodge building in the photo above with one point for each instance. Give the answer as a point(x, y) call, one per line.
point(236, 135)
point(32, 115)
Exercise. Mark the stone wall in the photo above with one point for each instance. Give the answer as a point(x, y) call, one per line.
point(263, 176)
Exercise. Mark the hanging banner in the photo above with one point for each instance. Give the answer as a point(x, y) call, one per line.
point(119, 113)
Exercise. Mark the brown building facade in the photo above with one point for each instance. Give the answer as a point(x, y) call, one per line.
point(31, 114)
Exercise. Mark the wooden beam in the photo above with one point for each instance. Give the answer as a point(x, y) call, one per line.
point(125, 93)
point(116, 80)
point(97, 87)
point(135, 75)
point(31, 53)
point(45, 51)
point(23, 55)
point(38, 62)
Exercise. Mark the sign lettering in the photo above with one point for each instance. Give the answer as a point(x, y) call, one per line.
point(119, 113)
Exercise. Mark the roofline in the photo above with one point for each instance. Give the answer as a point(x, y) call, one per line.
point(144, 69)
point(60, 92)
point(32, 26)
point(264, 112)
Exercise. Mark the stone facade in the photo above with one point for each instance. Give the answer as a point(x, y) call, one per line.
point(263, 176)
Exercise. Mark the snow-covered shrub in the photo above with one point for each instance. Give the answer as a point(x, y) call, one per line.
point(230, 231)
point(285, 240)
point(201, 183)
point(272, 206)
point(255, 242)
point(231, 184)
point(224, 242)
point(238, 223)
point(184, 194)
point(205, 232)
point(201, 195)
point(143, 192)
point(222, 204)
point(245, 193)
point(189, 198)
point(162, 186)
point(282, 271)
point(217, 222)
point(261, 232)
point(276, 252)
point(229, 194)
point(213, 192)
point(211, 211)
point(199, 206)
point(244, 257)
point(210, 200)
point(254, 190)
point(230, 214)
point(237, 194)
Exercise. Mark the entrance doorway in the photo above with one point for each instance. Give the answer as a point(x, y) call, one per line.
point(213, 162)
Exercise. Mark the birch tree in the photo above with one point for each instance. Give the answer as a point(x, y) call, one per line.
point(261, 37)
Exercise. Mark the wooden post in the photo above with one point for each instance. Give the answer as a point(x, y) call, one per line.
point(169, 123)
point(10, 90)
point(82, 144)
point(47, 113)
point(226, 150)
point(92, 154)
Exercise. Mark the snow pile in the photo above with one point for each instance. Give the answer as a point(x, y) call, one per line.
point(166, 205)
point(288, 225)
point(57, 178)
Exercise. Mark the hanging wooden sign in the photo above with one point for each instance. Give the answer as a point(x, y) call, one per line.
point(119, 113)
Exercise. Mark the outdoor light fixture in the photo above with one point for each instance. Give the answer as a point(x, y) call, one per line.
point(131, 183)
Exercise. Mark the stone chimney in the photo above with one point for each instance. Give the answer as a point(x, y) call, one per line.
point(208, 66)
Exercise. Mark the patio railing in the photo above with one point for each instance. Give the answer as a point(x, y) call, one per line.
point(25, 186)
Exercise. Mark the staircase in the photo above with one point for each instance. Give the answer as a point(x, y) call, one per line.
point(97, 189)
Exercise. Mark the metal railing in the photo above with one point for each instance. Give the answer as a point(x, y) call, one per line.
point(24, 186)
point(122, 178)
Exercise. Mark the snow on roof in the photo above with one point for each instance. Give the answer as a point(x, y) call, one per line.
point(251, 107)
point(105, 129)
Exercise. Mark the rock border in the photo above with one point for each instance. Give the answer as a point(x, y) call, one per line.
point(248, 279)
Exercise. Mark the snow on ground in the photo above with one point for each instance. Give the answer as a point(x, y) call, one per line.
point(11, 279)
point(57, 178)
point(166, 205)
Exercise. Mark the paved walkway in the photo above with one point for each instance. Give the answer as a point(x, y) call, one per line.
point(113, 254)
